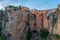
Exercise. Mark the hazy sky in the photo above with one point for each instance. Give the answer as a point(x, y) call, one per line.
point(38, 4)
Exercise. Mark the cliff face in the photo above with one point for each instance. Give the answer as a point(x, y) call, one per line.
point(20, 19)
point(58, 21)
point(16, 23)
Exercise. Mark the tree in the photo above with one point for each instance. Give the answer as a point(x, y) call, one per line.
point(44, 34)
point(0, 28)
point(2, 36)
point(56, 36)
point(1, 14)
point(29, 34)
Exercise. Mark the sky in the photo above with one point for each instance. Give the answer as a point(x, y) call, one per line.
point(32, 4)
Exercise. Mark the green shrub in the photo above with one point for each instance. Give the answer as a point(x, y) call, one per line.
point(57, 36)
point(29, 34)
point(34, 31)
point(3, 37)
point(0, 28)
point(44, 34)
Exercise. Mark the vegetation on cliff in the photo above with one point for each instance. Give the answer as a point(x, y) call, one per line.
point(2, 36)
point(29, 34)
point(44, 34)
